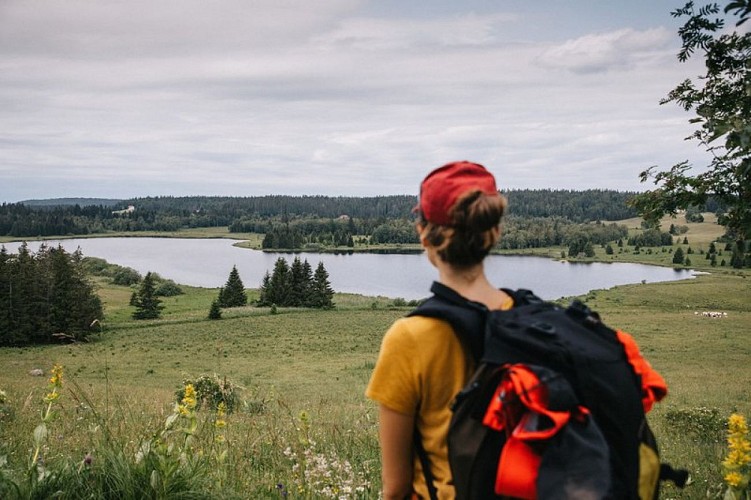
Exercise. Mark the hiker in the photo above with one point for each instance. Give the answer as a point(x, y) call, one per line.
point(422, 365)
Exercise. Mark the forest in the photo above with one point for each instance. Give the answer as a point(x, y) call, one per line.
point(319, 215)
point(46, 297)
point(535, 219)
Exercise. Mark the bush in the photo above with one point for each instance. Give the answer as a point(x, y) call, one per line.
point(212, 390)
point(168, 288)
point(126, 276)
point(705, 425)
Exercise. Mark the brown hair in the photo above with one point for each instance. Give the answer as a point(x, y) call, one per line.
point(471, 236)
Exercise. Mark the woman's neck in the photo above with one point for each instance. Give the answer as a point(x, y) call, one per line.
point(471, 283)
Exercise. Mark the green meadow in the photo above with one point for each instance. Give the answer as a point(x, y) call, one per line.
point(303, 428)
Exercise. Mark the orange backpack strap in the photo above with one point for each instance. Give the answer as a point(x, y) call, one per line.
point(653, 385)
point(520, 407)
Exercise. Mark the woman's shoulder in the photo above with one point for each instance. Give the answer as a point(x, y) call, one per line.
point(419, 330)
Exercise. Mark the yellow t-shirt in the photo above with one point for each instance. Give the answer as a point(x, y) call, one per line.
point(420, 369)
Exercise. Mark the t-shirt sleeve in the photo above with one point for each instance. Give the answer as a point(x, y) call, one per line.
point(395, 382)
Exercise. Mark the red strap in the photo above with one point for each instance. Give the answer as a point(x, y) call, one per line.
point(517, 470)
point(526, 420)
point(653, 385)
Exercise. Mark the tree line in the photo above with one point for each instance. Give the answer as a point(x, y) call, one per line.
point(46, 297)
point(296, 285)
point(254, 214)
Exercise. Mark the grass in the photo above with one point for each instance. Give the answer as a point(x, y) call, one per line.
point(303, 374)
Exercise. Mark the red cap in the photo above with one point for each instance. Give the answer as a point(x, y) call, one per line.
point(445, 185)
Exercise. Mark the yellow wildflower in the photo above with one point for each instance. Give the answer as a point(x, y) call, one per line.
point(739, 453)
point(51, 397)
point(737, 424)
point(733, 479)
point(57, 376)
point(189, 399)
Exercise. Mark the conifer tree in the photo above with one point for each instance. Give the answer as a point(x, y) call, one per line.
point(263, 295)
point(233, 292)
point(215, 312)
point(308, 279)
point(279, 284)
point(148, 305)
point(322, 293)
point(45, 297)
point(736, 260)
point(299, 285)
point(678, 256)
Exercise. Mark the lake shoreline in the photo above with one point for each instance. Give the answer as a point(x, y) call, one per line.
point(251, 241)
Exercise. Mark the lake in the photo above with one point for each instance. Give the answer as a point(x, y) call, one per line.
point(207, 263)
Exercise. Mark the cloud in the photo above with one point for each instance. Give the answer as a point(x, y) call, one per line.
point(600, 52)
point(138, 98)
point(388, 34)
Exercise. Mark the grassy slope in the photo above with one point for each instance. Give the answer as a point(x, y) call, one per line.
point(320, 361)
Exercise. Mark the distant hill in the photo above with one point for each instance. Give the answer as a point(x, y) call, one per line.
point(63, 202)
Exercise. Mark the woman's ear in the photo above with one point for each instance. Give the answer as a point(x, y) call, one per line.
point(420, 228)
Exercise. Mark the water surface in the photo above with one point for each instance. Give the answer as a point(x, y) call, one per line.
point(207, 263)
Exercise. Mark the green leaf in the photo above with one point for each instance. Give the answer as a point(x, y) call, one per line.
point(40, 434)
point(155, 480)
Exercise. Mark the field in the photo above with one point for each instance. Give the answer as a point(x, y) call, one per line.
point(303, 416)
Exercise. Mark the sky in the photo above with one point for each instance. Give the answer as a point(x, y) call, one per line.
point(122, 99)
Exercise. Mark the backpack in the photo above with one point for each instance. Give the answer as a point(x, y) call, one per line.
point(555, 408)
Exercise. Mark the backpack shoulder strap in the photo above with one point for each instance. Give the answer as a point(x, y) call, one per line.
point(522, 296)
point(466, 317)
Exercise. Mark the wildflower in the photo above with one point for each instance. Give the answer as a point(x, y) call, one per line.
point(221, 410)
point(736, 463)
point(57, 376)
point(51, 397)
point(734, 479)
point(189, 399)
point(3, 397)
point(88, 459)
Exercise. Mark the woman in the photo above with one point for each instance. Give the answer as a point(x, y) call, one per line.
point(422, 365)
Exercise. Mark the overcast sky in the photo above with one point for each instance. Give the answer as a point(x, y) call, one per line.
point(120, 99)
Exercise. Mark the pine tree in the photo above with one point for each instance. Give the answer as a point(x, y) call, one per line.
point(678, 256)
point(148, 305)
point(233, 292)
point(45, 297)
point(279, 284)
point(589, 250)
point(322, 293)
point(215, 311)
point(736, 260)
point(298, 284)
point(263, 295)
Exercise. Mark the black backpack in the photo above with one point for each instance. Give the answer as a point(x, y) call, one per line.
point(554, 409)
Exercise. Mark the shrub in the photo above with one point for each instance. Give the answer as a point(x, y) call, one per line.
point(168, 288)
point(212, 390)
point(705, 425)
point(126, 276)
